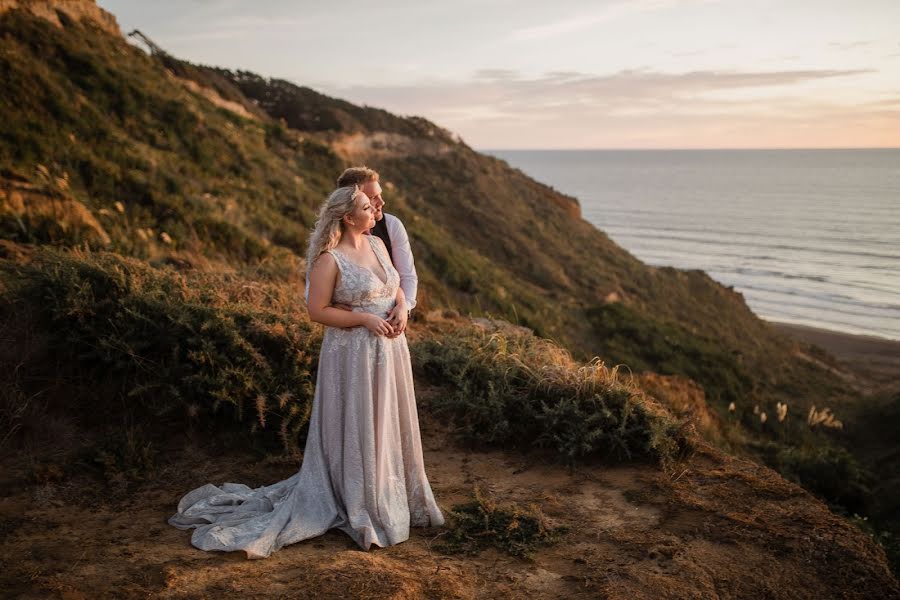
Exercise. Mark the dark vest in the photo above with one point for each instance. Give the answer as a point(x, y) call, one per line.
point(381, 231)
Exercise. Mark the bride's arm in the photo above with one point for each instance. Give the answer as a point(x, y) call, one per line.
point(322, 279)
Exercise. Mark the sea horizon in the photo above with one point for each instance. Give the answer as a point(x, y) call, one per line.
point(806, 241)
point(708, 149)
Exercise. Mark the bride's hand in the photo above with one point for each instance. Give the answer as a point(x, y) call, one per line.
point(377, 325)
point(398, 318)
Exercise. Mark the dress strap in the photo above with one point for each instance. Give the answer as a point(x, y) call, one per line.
point(339, 259)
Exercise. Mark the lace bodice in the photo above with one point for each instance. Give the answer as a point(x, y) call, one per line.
point(360, 288)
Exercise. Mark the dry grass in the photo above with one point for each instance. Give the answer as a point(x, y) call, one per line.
point(520, 391)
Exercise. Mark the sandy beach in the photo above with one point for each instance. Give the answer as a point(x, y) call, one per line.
point(871, 358)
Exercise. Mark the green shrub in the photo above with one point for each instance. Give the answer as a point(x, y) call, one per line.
point(646, 344)
point(482, 523)
point(519, 391)
point(165, 344)
point(829, 471)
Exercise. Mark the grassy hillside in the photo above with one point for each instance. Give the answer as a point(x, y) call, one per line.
point(153, 215)
point(189, 192)
point(90, 118)
point(171, 176)
point(494, 240)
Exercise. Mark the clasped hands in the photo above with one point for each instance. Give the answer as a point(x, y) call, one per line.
point(393, 326)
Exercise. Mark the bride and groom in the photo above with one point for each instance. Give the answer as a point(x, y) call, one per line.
point(363, 470)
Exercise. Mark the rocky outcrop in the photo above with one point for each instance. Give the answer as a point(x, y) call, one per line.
point(77, 10)
point(216, 98)
point(371, 147)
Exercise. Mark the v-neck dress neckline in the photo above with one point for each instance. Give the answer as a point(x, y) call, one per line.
point(387, 276)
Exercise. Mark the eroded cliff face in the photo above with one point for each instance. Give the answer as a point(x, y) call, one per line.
point(78, 10)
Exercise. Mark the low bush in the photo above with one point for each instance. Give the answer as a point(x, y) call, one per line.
point(520, 391)
point(645, 344)
point(829, 471)
point(483, 523)
point(120, 335)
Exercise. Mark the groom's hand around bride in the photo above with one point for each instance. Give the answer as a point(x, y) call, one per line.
point(346, 307)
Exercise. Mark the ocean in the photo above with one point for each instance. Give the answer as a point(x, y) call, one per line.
point(810, 237)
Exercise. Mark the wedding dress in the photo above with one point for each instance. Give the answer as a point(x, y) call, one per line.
point(362, 471)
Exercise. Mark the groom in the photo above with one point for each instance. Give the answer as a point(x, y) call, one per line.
point(391, 231)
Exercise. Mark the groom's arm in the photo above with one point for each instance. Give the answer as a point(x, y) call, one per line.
point(403, 259)
point(322, 279)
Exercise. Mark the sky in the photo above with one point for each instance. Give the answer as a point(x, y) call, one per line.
point(516, 74)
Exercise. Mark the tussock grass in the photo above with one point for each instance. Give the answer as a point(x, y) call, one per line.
point(519, 391)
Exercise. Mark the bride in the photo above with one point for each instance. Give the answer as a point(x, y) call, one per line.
point(362, 469)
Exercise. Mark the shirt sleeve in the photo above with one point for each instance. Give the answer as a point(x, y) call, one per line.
point(403, 259)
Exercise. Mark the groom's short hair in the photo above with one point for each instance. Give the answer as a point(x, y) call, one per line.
point(357, 176)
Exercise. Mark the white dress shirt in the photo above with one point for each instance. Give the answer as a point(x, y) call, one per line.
point(401, 252)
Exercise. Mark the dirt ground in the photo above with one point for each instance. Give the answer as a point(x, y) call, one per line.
point(719, 527)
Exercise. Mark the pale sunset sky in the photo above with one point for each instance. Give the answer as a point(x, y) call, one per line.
point(507, 74)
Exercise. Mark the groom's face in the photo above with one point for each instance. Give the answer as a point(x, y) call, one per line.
point(373, 190)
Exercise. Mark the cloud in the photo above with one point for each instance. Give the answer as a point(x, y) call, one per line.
point(238, 27)
point(496, 74)
point(886, 102)
point(509, 92)
point(586, 20)
point(634, 108)
point(850, 45)
point(703, 51)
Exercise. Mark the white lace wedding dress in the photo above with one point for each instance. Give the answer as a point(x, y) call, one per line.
point(362, 470)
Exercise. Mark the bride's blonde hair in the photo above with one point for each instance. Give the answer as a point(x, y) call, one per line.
point(330, 224)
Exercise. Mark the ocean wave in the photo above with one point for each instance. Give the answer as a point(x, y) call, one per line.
point(865, 292)
point(883, 277)
point(813, 250)
point(866, 311)
point(754, 234)
point(808, 236)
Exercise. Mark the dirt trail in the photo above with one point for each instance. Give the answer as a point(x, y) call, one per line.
point(719, 528)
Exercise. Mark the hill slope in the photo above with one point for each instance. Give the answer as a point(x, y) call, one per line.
point(203, 168)
point(95, 121)
point(181, 196)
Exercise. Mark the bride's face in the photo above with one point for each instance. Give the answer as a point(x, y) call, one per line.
point(363, 216)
